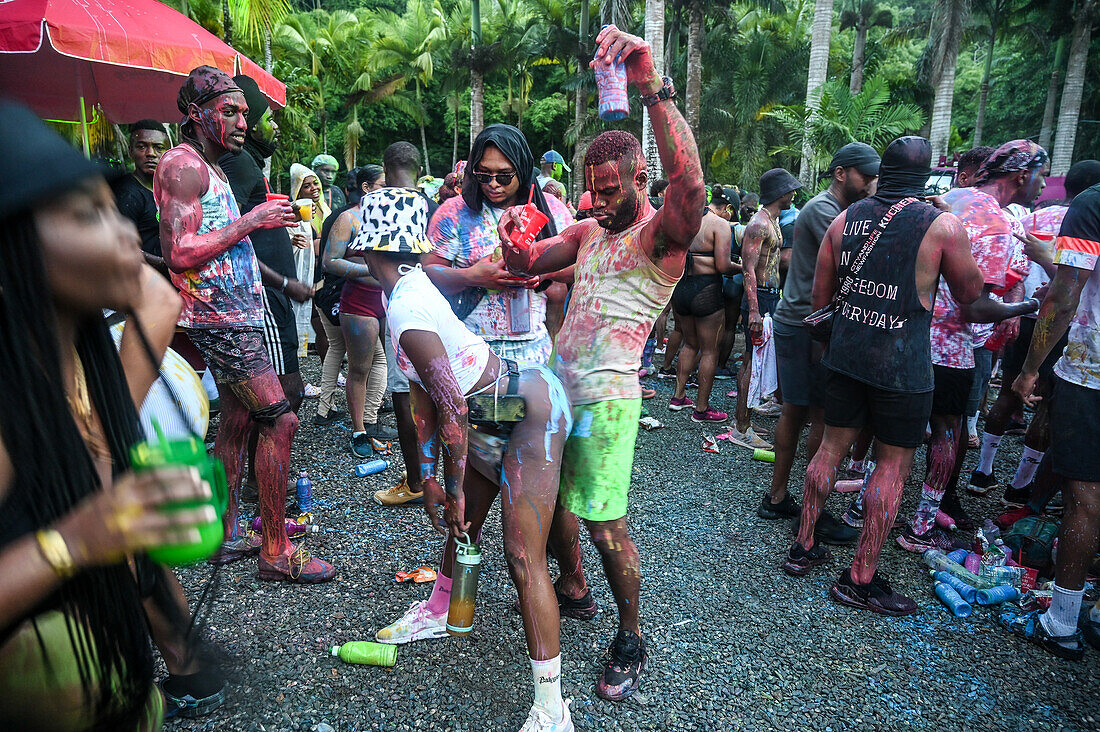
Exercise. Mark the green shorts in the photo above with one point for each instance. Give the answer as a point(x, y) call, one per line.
point(598, 457)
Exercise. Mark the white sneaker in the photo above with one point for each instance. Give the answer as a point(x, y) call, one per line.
point(769, 409)
point(748, 439)
point(418, 623)
point(539, 721)
point(341, 381)
point(311, 392)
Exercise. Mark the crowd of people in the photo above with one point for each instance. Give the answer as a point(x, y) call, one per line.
point(886, 310)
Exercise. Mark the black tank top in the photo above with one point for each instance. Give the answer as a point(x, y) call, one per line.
point(880, 332)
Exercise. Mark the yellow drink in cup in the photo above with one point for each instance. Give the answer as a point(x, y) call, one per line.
point(303, 208)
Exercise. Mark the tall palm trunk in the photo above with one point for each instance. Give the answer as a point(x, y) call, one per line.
point(477, 78)
point(693, 102)
point(859, 58)
point(983, 95)
point(580, 104)
point(950, 17)
point(227, 24)
point(815, 77)
point(423, 136)
point(655, 35)
point(269, 62)
point(1046, 132)
point(1070, 111)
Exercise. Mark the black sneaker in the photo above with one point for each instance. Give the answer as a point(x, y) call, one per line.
point(324, 420)
point(380, 431)
point(360, 446)
point(829, 530)
point(953, 508)
point(581, 608)
point(981, 483)
point(876, 596)
point(800, 561)
point(723, 374)
point(1016, 497)
point(934, 538)
point(622, 673)
point(786, 508)
point(669, 374)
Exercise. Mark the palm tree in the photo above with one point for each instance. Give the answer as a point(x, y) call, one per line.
point(1070, 110)
point(311, 40)
point(862, 16)
point(815, 76)
point(1046, 131)
point(938, 66)
point(999, 15)
point(477, 74)
point(694, 91)
point(842, 117)
point(258, 18)
point(403, 50)
point(655, 35)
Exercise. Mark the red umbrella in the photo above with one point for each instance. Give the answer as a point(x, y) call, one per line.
point(127, 56)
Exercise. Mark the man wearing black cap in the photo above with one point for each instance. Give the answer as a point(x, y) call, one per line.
point(1014, 173)
point(206, 246)
point(274, 251)
point(885, 255)
point(854, 173)
point(760, 265)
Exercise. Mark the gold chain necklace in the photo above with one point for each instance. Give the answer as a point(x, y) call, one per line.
point(80, 404)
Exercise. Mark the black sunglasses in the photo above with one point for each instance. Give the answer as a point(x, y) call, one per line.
point(486, 178)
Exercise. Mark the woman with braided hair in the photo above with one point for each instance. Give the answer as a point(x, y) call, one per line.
point(73, 518)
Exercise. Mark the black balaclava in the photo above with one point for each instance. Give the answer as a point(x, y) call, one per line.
point(513, 144)
point(905, 168)
point(257, 105)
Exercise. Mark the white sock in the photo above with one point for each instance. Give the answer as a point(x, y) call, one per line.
point(1094, 613)
point(1025, 471)
point(1065, 606)
point(972, 425)
point(356, 434)
point(990, 443)
point(547, 676)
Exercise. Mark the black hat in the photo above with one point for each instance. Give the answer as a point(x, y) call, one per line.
point(858, 155)
point(30, 146)
point(257, 102)
point(729, 195)
point(776, 183)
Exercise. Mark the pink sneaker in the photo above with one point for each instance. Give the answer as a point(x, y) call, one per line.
point(676, 405)
point(711, 415)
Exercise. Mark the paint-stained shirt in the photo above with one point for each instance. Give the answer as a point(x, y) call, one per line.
point(464, 236)
point(416, 304)
point(1078, 246)
point(993, 245)
point(618, 294)
point(225, 292)
point(1045, 220)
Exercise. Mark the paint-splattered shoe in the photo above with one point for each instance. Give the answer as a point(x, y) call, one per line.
point(418, 623)
point(622, 673)
point(300, 567)
point(539, 721)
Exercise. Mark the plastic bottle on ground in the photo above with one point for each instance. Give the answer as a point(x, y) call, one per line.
point(365, 652)
point(305, 493)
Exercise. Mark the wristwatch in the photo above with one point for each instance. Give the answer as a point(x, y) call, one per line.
point(667, 91)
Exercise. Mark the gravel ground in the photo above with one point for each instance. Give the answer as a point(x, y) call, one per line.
point(734, 643)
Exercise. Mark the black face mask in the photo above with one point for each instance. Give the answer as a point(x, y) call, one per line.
point(260, 149)
point(905, 168)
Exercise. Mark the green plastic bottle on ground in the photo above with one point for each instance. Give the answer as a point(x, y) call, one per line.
point(365, 652)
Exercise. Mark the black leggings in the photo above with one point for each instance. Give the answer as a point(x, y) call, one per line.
point(698, 296)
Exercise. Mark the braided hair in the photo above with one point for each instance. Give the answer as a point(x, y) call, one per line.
point(54, 472)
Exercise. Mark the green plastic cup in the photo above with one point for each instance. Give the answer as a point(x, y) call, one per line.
point(365, 652)
point(764, 456)
point(192, 452)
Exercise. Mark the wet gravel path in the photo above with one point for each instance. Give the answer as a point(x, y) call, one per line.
point(734, 643)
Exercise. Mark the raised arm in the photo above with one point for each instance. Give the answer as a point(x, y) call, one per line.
point(180, 181)
point(442, 418)
point(157, 308)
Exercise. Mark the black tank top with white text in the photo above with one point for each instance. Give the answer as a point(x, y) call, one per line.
point(880, 330)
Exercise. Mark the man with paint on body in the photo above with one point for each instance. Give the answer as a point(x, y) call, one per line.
point(1013, 173)
point(325, 166)
point(446, 364)
point(878, 370)
point(627, 260)
point(205, 243)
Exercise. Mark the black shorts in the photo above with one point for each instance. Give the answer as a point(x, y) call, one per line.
point(1075, 431)
point(733, 288)
point(895, 418)
point(767, 299)
point(800, 373)
point(951, 391)
point(698, 295)
point(1016, 352)
point(280, 332)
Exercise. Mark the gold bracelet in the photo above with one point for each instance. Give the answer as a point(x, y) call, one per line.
point(56, 553)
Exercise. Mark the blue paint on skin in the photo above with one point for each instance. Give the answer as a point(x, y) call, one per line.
point(561, 416)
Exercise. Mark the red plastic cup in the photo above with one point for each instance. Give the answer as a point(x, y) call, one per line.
point(530, 223)
point(1047, 236)
point(278, 197)
point(611, 85)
